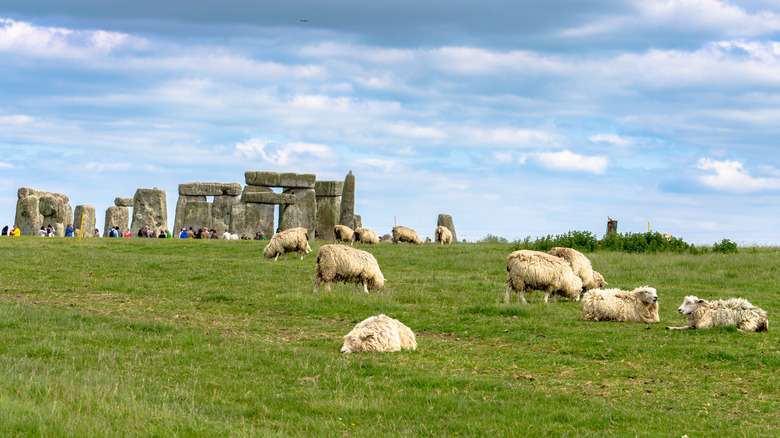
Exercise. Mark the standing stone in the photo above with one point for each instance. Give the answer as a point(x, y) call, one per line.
point(446, 221)
point(149, 209)
point(303, 213)
point(220, 211)
point(358, 221)
point(197, 214)
point(246, 219)
point(116, 216)
point(347, 213)
point(123, 202)
point(328, 208)
point(35, 209)
point(87, 225)
point(179, 220)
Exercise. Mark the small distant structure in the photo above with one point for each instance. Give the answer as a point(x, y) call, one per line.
point(612, 225)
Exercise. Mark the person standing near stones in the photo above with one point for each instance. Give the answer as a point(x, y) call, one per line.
point(5, 230)
point(96, 233)
point(50, 231)
point(128, 233)
point(69, 230)
point(42, 232)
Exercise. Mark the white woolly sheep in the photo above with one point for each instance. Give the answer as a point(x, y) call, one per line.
point(343, 233)
point(703, 314)
point(379, 334)
point(406, 234)
point(531, 270)
point(580, 265)
point(294, 239)
point(364, 235)
point(443, 235)
point(347, 264)
point(638, 305)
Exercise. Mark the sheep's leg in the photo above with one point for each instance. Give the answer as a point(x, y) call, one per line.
point(506, 296)
point(546, 297)
point(365, 286)
point(317, 284)
point(277, 257)
point(679, 328)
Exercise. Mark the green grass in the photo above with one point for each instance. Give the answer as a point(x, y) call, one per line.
point(137, 337)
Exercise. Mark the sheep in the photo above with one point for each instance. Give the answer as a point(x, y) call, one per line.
point(364, 235)
point(294, 239)
point(581, 266)
point(347, 264)
point(405, 234)
point(530, 270)
point(379, 334)
point(638, 305)
point(343, 233)
point(703, 314)
point(443, 235)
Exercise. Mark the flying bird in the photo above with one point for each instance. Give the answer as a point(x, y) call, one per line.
point(304, 20)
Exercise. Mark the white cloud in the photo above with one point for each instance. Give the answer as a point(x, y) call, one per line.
point(612, 138)
point(5, 165)
point(731, 176)
point(284, 154)
point(569, 161)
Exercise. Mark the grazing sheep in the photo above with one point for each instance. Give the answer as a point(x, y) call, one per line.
point(379, 334)
point(703, 314)
point(343, 233)
point(364, 235)
point(530, 270)
point(405, 234)
point(581, 266)
point(294, 239)
point(347, 264)
point(638, 305)
point(443, 235)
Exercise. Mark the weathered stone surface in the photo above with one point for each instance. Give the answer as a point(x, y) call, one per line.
point(209, 189)
point(196, 214)
point(116, 216)
point(328, 188)
point(84, 218)
point(328, 209)
point(387, 238)
point(150, 208)
point(303, 213)
point(247, 219)
point(276, 179)
point(358, 221)
point(35, 209)
point(446, 221)
point(178, 221)
point(123, 202)
point(220, 211)
point(347, 214)
point(267, 198)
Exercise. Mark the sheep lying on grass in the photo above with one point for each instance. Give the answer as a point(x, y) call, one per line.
point(347, 264)
point(581, 266)
point(364, 235)
point(343, 233)
point(294, 239)
point(703, 314)
point(379, 334)
point(406, 234)
point(638, 305)
point(443, 235)
point(531, 270)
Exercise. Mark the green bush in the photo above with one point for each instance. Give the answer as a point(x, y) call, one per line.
point(725, 246)
point(644, 242)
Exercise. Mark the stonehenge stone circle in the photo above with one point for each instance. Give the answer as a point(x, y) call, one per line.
point(328, 208)
point(123, 202)
point(149, 209)
point(116, 216)
point(36, 209)
point(446, 221)
point(87, 226)
point(302, 213)
point(347, 213)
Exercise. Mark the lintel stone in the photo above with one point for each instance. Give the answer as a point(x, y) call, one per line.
point(276, 179)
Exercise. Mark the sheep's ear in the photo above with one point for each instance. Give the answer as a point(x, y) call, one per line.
point(364, 337)
point(700, 301)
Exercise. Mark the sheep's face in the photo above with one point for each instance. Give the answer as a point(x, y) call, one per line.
point(307, 248)
point(353, 342)
point(689, 305)
point(649, 295)
point(599, 280)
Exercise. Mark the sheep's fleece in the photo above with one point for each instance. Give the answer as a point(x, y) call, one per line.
point(347, 264)
point(379, 334)
point(406, 234)
point(365, 235)
point(531, 270)
point(294, 239)
point(581, 266)
point(443, 235)
point(638, 305)
point(703, 314)
point(343, 233)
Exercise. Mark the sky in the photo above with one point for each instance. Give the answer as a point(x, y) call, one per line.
point(517, 118)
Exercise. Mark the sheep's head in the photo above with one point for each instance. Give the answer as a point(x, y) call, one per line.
point(353, 342)
point(689, 305)
point(648, 294)
point(600, 282)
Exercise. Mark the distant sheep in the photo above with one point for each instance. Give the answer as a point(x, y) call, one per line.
point(703, 314)
point(379, 334)
point(294, 239)
point(581, 266)
point(443, 235)
point(638, 305)
point(343, 233)
point(531, 270)
point(406, 234)
point(347, 264)
point(364, 235)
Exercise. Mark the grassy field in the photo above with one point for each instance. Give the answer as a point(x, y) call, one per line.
point(153, 337)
